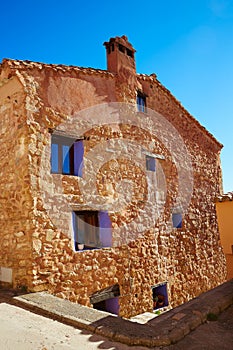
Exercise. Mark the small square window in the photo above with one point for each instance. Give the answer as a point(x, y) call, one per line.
point(150, 163)
point(177, 220)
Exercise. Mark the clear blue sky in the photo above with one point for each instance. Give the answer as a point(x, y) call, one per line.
point(187, 43)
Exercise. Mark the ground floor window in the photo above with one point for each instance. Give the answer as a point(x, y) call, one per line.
point(92, 230)
point(107, 299)
point(160, 296)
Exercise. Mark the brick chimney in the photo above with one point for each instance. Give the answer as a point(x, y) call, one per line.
point(120, 55)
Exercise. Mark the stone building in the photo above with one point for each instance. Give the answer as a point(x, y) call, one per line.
point(81, 218)
point(224, 208)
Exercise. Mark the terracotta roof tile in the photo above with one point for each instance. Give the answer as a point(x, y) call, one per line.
point(25, 65)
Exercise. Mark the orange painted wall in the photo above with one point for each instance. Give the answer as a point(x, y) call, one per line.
point(225, 222)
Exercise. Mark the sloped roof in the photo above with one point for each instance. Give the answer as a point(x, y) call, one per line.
point(27, 65)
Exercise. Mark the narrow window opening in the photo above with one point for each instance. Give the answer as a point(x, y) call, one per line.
point(141, 103)
point(112, 47)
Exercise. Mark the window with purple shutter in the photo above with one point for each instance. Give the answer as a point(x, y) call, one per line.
point(66, 155)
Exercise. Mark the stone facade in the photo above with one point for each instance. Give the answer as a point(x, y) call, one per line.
point(36, 237)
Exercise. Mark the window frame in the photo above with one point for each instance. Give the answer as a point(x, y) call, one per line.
point(160, 290)
point(141, 102)
point(58, 158)
point(177, 220)
point(101, 229)
point(149, 165)
point(85, 219)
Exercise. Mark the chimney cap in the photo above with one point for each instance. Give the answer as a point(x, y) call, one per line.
point(123, 40)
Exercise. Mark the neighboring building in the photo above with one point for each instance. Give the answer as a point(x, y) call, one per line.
point(61, 243)
point(224, 207)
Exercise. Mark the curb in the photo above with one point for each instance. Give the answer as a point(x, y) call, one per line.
point(164, 330)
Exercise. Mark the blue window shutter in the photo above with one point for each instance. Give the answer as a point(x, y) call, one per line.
point(54, 158)
point(105, 229)
point(78, 158)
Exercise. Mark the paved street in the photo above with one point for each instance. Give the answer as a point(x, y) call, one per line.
point(214, 335)
point(22, 330)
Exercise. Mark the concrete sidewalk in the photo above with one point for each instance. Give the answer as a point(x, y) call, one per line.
point(164, 330)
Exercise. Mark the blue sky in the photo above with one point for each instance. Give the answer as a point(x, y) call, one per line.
point(187, 43)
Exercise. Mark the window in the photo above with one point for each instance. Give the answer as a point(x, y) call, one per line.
point(66, 155)
point(150, 163)
point(92, 230)
point(141, 102)
point(160, 296)
point(177, 220)
point(107, 299)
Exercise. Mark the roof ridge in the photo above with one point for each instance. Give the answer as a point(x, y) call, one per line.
point(23, 64)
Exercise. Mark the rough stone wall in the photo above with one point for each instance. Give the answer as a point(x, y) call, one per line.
point(189, 259)
point(16, 217)
point(199, 258)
